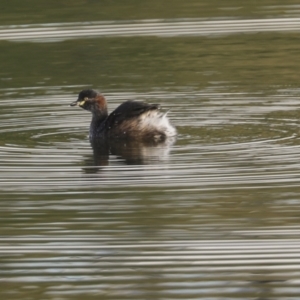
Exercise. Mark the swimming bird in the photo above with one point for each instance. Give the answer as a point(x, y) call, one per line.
point(133, 120)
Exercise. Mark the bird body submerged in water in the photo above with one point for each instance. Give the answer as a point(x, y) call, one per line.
point(132, 119)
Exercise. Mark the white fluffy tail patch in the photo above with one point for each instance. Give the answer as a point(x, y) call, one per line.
point(155, 120)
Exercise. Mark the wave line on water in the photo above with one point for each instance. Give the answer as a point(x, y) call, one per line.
point(160, 28)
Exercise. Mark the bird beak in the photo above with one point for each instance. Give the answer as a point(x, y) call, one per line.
point(74, 103)
point(78, 102)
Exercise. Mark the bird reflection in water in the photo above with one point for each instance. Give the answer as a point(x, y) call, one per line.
point(129, 152)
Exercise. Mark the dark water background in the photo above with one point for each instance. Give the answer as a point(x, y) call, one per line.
point(213, 215)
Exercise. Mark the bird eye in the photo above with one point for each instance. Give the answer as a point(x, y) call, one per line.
point(85, 98)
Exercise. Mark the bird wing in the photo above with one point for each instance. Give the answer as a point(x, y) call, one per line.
point(128, 110)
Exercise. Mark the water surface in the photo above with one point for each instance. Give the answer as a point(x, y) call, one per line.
point(213, 214)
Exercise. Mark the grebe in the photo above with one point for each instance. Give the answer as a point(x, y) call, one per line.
point(131, 120)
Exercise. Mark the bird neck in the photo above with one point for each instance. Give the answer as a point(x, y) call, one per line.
point(97, 121)
point(99, 114)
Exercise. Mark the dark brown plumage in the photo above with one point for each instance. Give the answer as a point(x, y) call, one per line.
point(132, 119)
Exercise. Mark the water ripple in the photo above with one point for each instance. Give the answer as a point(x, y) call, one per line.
point(61, 157)
point(160, 28)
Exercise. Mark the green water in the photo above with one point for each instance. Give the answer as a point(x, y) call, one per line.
point(212, 215)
